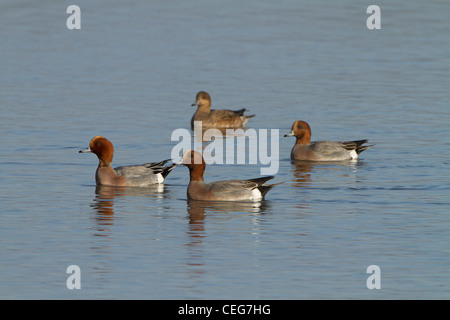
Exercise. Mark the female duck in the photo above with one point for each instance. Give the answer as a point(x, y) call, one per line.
point(216, 118)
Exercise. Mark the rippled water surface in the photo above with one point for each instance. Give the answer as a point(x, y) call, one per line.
point(131, 74)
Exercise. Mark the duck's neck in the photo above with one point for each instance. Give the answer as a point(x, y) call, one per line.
point(102, 163)
point(304, 137)
point(196, 173)
point(204, 108)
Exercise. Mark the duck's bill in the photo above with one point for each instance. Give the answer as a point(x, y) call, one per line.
point(194, 104)
point(85, 150)
point(290, 134)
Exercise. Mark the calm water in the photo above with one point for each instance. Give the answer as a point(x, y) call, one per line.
point(131, 74)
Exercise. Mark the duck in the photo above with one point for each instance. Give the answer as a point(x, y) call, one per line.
point(306, 150)
point(227, 190)
point(222, 118)
point(132, 175)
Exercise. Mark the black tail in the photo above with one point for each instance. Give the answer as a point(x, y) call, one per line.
point(267, 187)
point(241, 113)
point(356, 145)
point(158, 167)
point(167, 170)
point(264, 188)
point(261, 180)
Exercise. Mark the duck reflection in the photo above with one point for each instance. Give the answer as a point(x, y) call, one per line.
point(301, 170)
point(197, 213)
point(198, 209)
point(206, 135)
point(104, 201)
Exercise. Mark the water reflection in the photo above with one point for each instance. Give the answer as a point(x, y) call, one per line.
point(216, 133)
point(301, 170)
point(205, 134)
point(104, 202)
point(224, 141)
point(198, 209)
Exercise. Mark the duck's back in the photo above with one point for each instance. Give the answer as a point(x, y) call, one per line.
point(145, 174)
point(235, 190)
point(222, 118)
point(332, 151)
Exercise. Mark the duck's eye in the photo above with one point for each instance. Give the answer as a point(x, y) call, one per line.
point(96, 144)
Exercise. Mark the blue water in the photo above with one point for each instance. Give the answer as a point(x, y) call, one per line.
point(131, 74)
